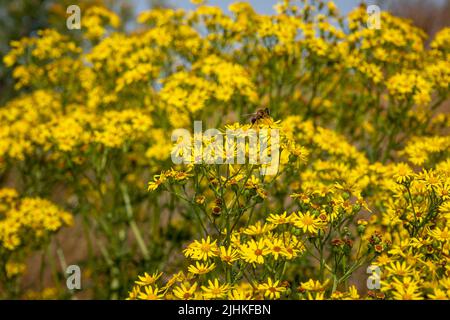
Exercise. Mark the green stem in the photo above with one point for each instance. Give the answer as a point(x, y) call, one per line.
point(134, 228)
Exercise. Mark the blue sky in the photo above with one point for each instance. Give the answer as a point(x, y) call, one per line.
point(261, 6)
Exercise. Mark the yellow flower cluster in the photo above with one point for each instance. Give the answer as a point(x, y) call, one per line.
point(403, 86)
point(407, 234)
point(36, 122)
point(362, 177)
point(95, 20)
point(28, 219)
point(26, 225)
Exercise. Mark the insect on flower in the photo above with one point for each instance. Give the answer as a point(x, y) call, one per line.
point(258, 115)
